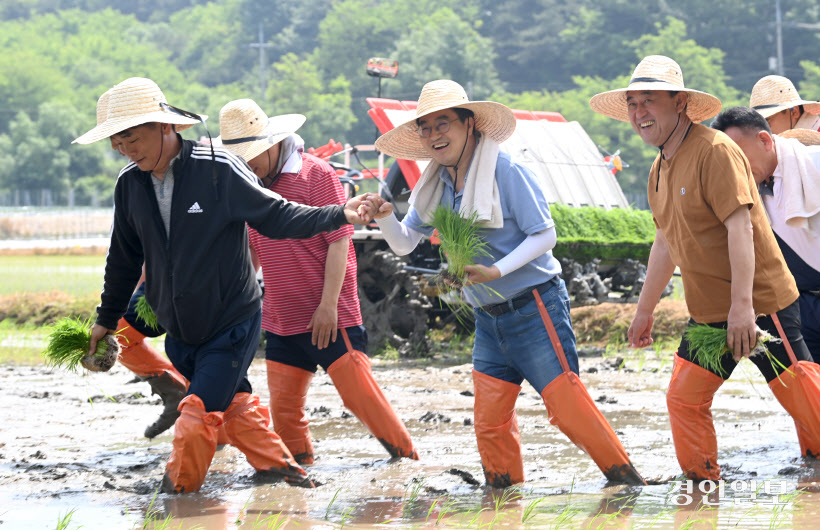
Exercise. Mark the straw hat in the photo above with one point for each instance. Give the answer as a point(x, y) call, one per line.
point(133, 102)
point(492, 119)
point(246, 131)
point(102, 106)
point(774, 93)
point(655, 72)
point(804, 136)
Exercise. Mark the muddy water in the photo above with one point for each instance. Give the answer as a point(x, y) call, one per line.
point(71, 442)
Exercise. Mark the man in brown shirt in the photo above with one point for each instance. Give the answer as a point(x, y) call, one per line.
point(712, 225)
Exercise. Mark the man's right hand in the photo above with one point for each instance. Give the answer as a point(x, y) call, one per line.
point(640, 332)
point(384, 208)
point(97, 333)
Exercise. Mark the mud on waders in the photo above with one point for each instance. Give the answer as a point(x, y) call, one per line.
point(570, 408)
point(352, 376)
point(689, 400)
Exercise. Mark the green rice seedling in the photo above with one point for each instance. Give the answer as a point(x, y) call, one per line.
point(663, 513)
point(430, 511)
point(708, 346)
point(271, 522)
point(68, 343)
point(64, 520)
point(333, 500)
point(780, 506)
point(509, 494)
point(529, 509)
point(411, 494)
point(460, 244)
point(444, 510)
point(475, 518)
point(146, 313)
point(346, 516)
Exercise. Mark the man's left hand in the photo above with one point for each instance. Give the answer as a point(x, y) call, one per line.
point(741, 332)
point(324, 324)
point(481, 274)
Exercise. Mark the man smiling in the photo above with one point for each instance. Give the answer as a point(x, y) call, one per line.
point(181, 209)
point(710, 224)
point(523, 329)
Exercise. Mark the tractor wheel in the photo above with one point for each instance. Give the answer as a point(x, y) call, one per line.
point(394, 309)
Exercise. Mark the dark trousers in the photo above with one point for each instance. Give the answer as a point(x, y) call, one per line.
point(789, 319)
point(218, 369)
point(296, 350)
point(810, 323)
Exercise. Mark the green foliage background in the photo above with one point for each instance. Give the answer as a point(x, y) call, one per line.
point(60, 55)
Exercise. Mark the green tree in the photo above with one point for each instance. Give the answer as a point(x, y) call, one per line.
point(810, 86)
point(702, 70)
point(37, 153)
point(297, 87)
point(460, 53)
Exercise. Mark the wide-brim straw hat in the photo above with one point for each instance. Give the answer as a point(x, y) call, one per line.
point(775, 93)
point(804, 136)
point(135, 101)
point(246, 131)
point(102, 106)
point(656, 72)
point(492, 119)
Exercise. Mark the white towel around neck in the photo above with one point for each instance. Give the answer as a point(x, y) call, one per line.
point(426, 195)
point(801, 184)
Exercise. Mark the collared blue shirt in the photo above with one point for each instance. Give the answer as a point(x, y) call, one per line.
point(525, 211)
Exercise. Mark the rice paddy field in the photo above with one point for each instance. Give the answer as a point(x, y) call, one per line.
point(72, 453)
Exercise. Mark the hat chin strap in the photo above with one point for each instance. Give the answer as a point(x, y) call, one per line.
point(466, 139)
point(660, 148)
point(161, 146)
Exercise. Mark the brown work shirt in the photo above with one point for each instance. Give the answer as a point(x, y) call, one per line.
point(707, 179)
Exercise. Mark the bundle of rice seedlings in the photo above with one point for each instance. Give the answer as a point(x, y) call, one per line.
point(68, 343)
point(146, 314)
point(460, 243)
point(708, 346)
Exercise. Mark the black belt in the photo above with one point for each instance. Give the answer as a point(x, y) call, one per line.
point(519, 301)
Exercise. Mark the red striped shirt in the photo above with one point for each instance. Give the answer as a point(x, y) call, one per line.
point(294, 269)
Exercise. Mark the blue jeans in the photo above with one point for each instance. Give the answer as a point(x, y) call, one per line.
point(218, 369)
point(297, 350)
point(515, 346)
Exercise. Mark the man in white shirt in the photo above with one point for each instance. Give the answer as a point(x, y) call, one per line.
point(788, 177)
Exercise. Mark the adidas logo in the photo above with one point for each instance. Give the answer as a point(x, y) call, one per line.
point(195, 208)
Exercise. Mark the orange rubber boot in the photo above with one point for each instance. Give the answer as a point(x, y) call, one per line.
point(246, 424)
point(353, 378)
point(808, 446)
point(194, 447)
point(798, 390)
point(140, 357)
point(288, 388)
point(573, 411)
point(689, 400)
point(496, 430)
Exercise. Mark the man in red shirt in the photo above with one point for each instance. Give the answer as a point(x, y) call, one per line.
point(310, 313)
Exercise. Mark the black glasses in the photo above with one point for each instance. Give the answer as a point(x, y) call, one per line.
point(441, 127)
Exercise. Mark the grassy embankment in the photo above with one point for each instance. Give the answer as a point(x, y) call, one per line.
point(37, 290)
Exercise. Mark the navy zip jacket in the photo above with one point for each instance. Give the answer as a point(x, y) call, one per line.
point(199, 278)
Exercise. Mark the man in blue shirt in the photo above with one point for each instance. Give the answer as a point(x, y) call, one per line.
point(521, 305)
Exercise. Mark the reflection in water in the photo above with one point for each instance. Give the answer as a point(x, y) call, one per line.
point(106, 463)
